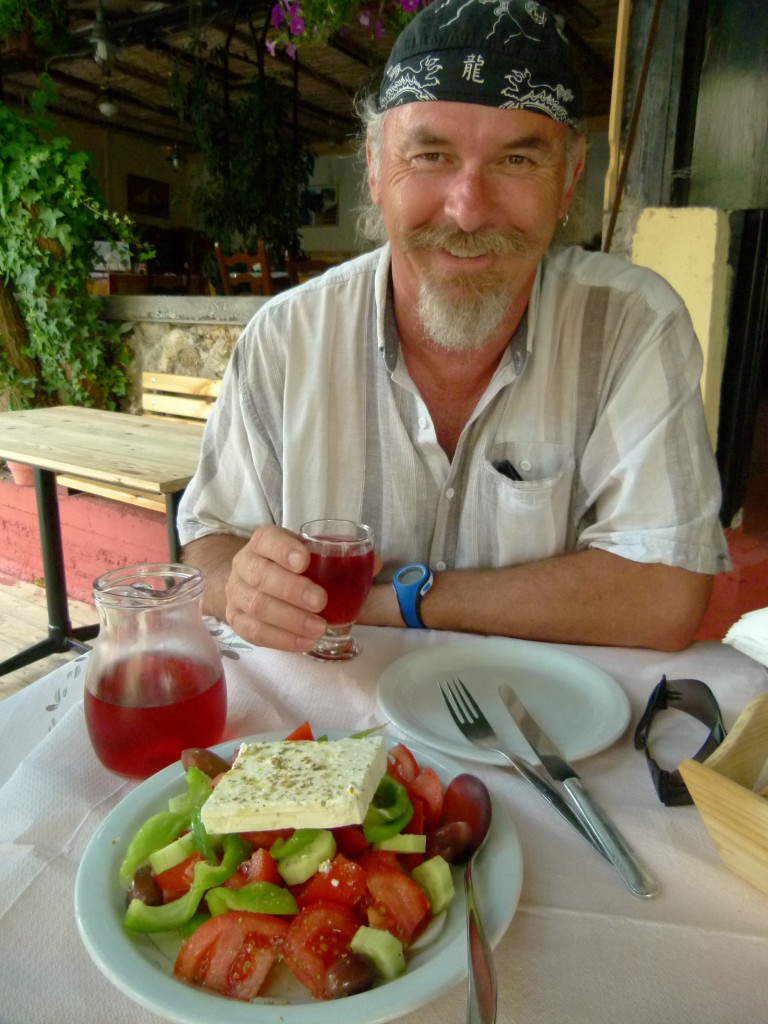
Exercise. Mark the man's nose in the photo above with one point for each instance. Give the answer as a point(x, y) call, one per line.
point(469, 202)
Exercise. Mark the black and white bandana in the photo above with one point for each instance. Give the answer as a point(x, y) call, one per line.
point(509, 54)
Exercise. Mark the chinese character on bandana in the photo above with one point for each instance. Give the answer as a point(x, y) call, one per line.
point(473, 66)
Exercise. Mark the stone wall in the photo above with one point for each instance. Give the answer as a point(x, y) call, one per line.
point(190, 335)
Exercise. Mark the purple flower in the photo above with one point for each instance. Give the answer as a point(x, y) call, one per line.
point(378, 29)
point(278, 15)
point(365, 18)
point(410, 5)
point(270, 47)
point(296, 25)
point(291, 51)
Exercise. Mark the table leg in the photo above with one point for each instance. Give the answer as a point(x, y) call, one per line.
point(171, 511)
point(61, 635)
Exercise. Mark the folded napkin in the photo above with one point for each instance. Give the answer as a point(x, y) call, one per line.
point(750, 635)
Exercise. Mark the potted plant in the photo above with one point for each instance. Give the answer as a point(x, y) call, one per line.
point(54, 345)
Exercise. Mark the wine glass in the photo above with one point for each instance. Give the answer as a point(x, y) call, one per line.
point(341, 562)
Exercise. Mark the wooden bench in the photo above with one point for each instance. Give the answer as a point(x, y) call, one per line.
point(167, 396)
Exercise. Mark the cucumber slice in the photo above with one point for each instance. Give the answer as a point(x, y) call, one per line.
point(174, 853)
point(404, 842)
point(382, 948)
point(302, 865)
point(434, 877)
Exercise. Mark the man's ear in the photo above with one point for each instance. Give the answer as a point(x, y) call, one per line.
point(577, 167)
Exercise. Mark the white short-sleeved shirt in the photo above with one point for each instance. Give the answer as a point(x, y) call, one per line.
point(596, 403)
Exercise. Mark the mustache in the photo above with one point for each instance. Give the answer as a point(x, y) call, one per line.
point(467, 243)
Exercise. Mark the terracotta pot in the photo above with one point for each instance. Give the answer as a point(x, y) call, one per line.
point(23, 475)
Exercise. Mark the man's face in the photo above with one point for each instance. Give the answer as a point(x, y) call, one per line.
point(470, 197)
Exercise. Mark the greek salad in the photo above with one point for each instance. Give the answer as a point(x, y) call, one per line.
point(339, 908)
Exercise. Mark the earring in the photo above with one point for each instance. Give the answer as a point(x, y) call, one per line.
point(565, 218)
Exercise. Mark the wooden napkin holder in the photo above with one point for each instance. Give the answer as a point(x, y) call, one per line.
point(723, 790)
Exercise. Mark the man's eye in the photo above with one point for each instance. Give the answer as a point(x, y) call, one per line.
point(516, 159)
point(431, 158)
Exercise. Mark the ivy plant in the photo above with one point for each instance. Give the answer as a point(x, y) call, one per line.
point(51, 213)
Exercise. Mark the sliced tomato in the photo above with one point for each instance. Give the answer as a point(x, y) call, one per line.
point(350, 840)
point(232, 953)
point(302, 732)
point(398, 897)
point(372, 860)
point(317, 936)
point(428, 788)
point(344, 882)
point(260, 867)
point(263, 840)
point(402, 764)
point(177, 880)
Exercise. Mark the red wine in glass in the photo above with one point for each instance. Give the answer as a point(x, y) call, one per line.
point(341, 561)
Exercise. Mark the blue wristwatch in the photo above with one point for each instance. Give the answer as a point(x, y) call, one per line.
point(410, 584)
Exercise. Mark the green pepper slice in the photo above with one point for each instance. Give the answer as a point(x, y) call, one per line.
point(389, 811)
point(171, 916)
point(155, 833)
point(256, 897)
point(302, 837)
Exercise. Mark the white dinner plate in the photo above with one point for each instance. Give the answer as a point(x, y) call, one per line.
point(144, 972)
point(582, 708)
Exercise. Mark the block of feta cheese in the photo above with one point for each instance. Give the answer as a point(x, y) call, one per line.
point(297, 784)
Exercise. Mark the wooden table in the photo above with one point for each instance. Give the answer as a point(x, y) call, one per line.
point(155, 455)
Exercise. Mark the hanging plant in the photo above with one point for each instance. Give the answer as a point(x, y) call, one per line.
point(44, 20)
point(256, 167)
point(51, 211)
point(300, 23)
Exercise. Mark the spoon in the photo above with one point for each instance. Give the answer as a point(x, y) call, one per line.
point(468, 800)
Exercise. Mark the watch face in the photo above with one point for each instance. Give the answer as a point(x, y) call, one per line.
point(411, 574)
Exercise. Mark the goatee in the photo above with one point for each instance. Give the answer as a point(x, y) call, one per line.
point(460, 311)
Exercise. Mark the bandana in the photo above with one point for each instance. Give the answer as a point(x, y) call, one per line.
point(509, 54)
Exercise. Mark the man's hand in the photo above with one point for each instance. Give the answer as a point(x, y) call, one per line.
point(257, 587)
point(269, 602)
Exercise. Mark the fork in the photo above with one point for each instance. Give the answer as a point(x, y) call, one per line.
point(473, 724)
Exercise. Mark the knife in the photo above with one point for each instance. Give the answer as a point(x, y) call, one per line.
point(632, 872)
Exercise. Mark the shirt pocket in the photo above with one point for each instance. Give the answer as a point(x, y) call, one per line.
point(532, 514)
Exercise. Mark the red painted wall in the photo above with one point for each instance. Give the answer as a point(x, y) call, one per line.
point(97, 535)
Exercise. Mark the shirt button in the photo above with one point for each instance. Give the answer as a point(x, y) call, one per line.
point(450, 493)
point(525, 464)
point(440, 566)
point(423, 422)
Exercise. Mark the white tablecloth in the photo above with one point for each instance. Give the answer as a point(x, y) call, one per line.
point(580, 949)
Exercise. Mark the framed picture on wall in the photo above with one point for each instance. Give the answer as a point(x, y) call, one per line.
point(320, 205)
point(148, 197)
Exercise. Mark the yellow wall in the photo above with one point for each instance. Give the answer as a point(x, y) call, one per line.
point(689, 247)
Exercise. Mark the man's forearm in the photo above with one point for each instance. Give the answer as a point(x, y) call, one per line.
point(591, 597)
point(213, 554)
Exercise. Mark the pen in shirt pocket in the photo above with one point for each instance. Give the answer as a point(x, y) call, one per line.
point(506, 468)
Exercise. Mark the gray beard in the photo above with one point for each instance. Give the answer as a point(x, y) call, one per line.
point(460, 315)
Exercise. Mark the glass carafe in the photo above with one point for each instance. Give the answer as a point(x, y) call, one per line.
point(155, 682)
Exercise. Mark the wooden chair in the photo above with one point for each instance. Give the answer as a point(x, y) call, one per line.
point(236, 271)
point(302, 270)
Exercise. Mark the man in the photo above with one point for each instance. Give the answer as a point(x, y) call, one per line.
point(528, 424)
